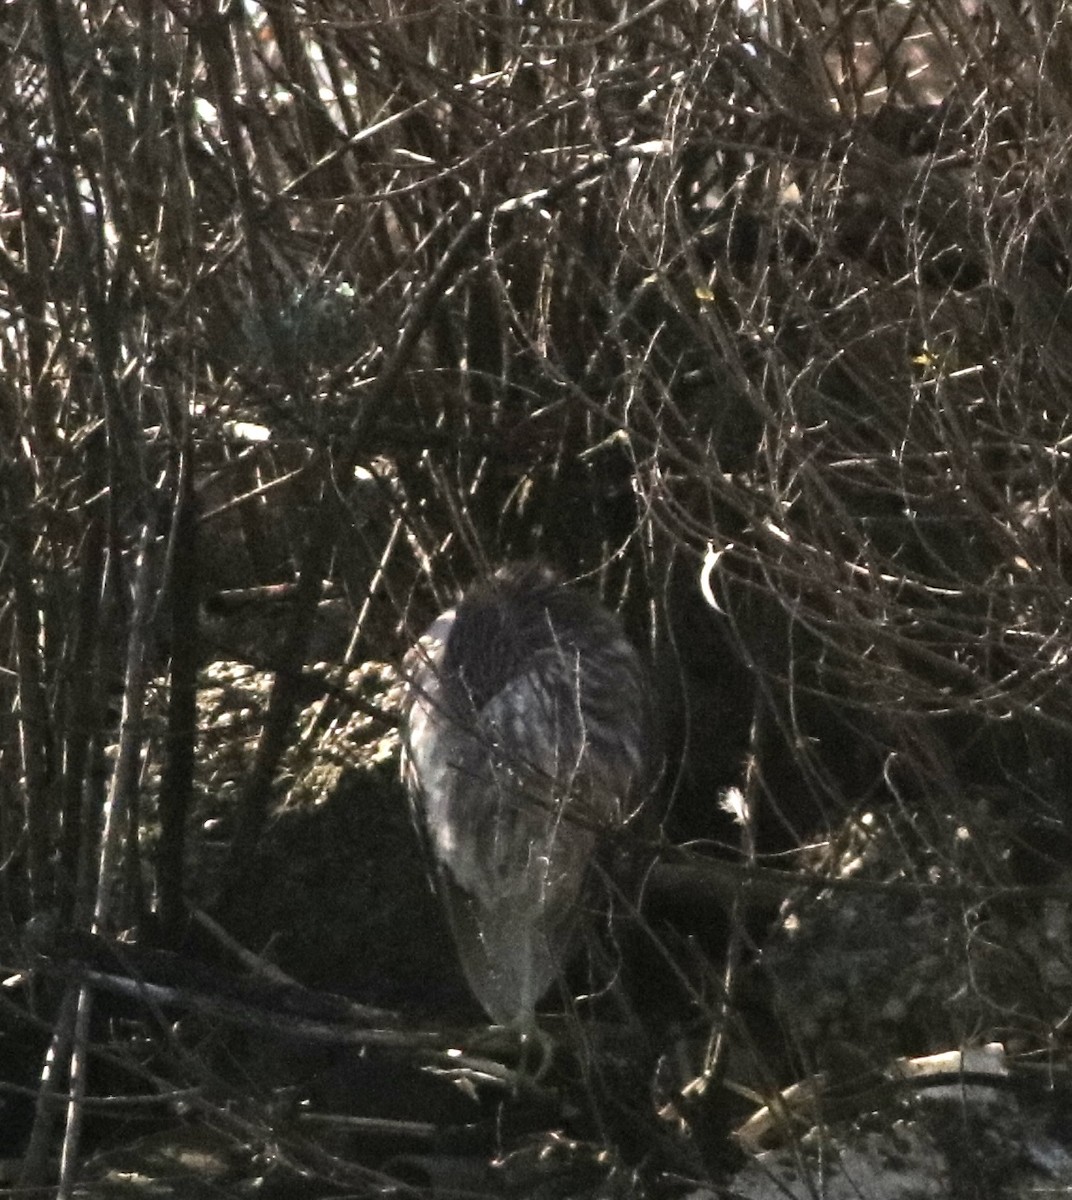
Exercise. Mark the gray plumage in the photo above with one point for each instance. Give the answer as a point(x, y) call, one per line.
point(523, 738)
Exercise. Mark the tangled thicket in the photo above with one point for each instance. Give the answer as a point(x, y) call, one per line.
point(757, 317)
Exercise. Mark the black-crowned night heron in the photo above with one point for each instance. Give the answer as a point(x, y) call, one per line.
point(523, 738)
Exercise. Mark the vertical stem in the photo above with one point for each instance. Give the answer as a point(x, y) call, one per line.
point(76, 1095)
point(176, 779)
point(81, 696)
point(33, 1173)
point(17, 489)
point(125, 776)
point(124, 781)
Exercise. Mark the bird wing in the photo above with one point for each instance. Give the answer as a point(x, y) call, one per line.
point(509, 792)
point(495, 789)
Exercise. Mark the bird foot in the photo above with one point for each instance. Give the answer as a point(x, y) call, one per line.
point(536, 1041)
point(535, 1050)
